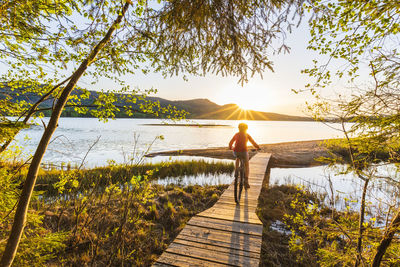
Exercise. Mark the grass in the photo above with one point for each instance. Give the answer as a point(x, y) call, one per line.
point(113, 215)
point(274, 203)
point(158, 221)
point(122, 173)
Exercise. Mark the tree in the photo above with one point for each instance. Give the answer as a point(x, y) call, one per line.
point(26, 40)
point(193, 37)
point(361, 36)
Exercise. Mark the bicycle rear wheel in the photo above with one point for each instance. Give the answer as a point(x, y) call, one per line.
point(239, 182)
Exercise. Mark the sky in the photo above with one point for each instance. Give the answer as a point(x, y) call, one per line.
point(272, 93)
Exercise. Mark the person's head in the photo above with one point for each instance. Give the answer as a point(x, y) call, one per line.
point(243, 127)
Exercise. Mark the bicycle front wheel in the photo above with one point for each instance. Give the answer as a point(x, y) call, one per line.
point(239, 182)
point(235, 193)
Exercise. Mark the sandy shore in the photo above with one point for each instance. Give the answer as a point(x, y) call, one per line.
point(290, 154)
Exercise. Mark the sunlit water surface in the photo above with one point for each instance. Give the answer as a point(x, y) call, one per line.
point(116, 138)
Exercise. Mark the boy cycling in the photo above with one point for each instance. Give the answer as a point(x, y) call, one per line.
point(240, 149)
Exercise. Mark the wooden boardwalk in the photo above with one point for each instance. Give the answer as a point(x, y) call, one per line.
point(226, 234)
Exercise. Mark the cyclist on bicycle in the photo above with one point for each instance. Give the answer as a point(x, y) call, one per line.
point(240, 149)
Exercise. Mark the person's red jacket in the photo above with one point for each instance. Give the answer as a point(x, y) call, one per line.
point(240, 140)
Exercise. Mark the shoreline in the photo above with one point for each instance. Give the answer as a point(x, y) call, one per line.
point(187, 125)
point(296, 154)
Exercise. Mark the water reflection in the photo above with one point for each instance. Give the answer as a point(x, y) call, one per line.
point(344, 189)
point(200, 179)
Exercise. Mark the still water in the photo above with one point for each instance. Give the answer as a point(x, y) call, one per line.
point(116, 138)
point(343, 190)
point(199, 179)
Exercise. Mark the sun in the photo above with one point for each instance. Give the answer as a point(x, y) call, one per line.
point(246, 105)
point(251, 98)
point(246, 102)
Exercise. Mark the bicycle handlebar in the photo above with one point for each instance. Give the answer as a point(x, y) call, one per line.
point(252, 150)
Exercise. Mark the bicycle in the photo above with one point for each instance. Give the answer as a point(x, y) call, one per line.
point(239, 179)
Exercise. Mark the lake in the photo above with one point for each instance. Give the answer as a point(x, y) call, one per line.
point(75, 136)
point(116, 141)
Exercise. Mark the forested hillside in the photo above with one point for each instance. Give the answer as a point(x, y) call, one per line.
point(196, 108)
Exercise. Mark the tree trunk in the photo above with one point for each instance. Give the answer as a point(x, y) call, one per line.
point(360, 224)
point(23, 204)
point(387, 239)
point(28, 114)
point(7, 143)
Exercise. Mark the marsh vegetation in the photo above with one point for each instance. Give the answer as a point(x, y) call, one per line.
point(105, 216)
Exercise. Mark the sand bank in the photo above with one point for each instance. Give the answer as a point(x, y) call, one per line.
point(290, 154)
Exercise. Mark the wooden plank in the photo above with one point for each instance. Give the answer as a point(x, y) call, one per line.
point(243, 199)
point(254, 180)
point(249, 194)
point(226, 243)
point(212, 256)
point(258, 168)
point(233, 203)
point(229, 217)
point(229, 197)
point(158, 264)
point(211, 248)
point(225, 225)
point(236, 211)
point(257, 174)
point(251, 200)
point(248, 198)
point(230, 238)
point(233, 215)
point(186, 261)
point(255, 188)
point(236, 214)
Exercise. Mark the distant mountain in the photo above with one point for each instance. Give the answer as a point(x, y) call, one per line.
point(197, 108)
point(206, 109)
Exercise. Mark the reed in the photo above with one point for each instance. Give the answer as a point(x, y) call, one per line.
point(105, 228)
point(122, 173)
